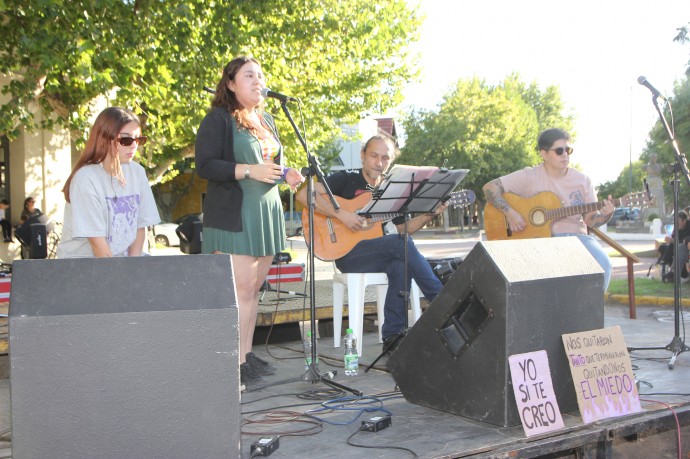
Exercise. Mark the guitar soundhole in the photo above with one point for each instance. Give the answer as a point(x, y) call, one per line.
point(538, 217)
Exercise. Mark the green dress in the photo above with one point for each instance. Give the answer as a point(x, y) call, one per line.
point(263, 225)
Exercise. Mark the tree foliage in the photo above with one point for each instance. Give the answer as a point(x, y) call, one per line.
point(341, 58)
point(491, 130)
point(659, 142)
point(684, 37)
point(624, 183)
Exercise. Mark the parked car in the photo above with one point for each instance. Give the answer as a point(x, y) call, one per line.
point(164, 233)
point(624, 213)
point(293, 223)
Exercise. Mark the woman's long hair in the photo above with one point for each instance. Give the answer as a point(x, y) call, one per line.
point(226, 98)
point(26, 203)
point(105, 130)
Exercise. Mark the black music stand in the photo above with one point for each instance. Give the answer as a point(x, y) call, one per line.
point(408, 190)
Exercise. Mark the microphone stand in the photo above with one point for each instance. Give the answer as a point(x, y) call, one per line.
point(677, 344)
point(313, 170)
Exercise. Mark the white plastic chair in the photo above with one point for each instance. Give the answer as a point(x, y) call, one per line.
point(356, 285)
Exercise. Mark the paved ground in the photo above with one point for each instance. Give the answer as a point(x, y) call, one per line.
point(433, 243)
point(438, 245)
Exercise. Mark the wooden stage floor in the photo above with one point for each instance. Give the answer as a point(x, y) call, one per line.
point(313, 420)
point(287, 408)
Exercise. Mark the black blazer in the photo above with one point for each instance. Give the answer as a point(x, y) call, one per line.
point(215, 162)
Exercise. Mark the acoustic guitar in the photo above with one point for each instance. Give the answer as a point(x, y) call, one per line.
point(541, 209)
point(333, 240)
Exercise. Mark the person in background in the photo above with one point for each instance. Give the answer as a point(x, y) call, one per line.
point(109, 199)
point(6, 226)
point(238, 151)
point(570, 185)
point(383, 254)
point(665, 251)
point(29, 209)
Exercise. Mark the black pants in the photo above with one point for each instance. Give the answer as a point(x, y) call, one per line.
point(6, 230)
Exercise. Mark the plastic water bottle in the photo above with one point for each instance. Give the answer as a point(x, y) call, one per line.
point(307, 352)
point(351, 359)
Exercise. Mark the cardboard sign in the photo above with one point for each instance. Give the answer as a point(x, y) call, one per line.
point(602, 374)
point(534, 393)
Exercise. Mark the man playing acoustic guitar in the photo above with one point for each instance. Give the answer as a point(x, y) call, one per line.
point(380, 254)
point(572, 188)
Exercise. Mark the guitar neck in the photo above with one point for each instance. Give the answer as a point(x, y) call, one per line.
point(455, 199)
point(381, 217)
point(561, 212)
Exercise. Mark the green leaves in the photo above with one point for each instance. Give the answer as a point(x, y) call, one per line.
point(659, 142)
point(490, 130)
point(340, 58)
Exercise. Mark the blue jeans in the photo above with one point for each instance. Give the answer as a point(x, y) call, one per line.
point(387, 255)
point(594, 248)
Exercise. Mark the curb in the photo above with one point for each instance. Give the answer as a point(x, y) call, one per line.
point(647, 300)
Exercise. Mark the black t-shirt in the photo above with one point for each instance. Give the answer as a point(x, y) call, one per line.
point(347, 184)
point(684, 233)
point(350, 184)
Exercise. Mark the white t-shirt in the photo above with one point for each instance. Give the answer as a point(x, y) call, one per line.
point(574, 188)
point(100, 206)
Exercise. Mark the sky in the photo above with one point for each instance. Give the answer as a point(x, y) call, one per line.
point(594, 51)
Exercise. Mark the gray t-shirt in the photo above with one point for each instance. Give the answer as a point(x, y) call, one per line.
point(101, 207)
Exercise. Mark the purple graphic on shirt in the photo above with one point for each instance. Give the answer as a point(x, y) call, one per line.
point(123, 212)
point(576, 198)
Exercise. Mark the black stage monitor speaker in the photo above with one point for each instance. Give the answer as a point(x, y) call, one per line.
point(125, 358)
point(507, 297)
point(38, 245)
point(32, 234)
point(190, 232)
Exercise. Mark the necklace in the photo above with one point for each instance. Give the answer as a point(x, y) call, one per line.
point(112, 185)
point(112, 182)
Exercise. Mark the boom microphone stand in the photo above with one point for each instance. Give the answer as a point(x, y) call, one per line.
point(313, 170)
point(677, 344)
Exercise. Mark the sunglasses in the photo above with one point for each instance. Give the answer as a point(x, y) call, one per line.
point(127, 141)
point(560, 150)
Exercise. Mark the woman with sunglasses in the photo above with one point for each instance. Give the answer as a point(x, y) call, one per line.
point(238, 151)
point(570, 185)
point(109, 200)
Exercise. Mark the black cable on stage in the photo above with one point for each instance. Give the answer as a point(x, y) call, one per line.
point(349, 442)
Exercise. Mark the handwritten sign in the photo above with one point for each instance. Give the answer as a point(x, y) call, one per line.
point(602, 374)
point(534, 393)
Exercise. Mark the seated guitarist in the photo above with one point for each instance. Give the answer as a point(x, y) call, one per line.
point(570, 185)
point(385, 253)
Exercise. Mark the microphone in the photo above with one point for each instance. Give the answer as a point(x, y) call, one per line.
point(643, 81)
point(265, 93)
point(211, 90)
